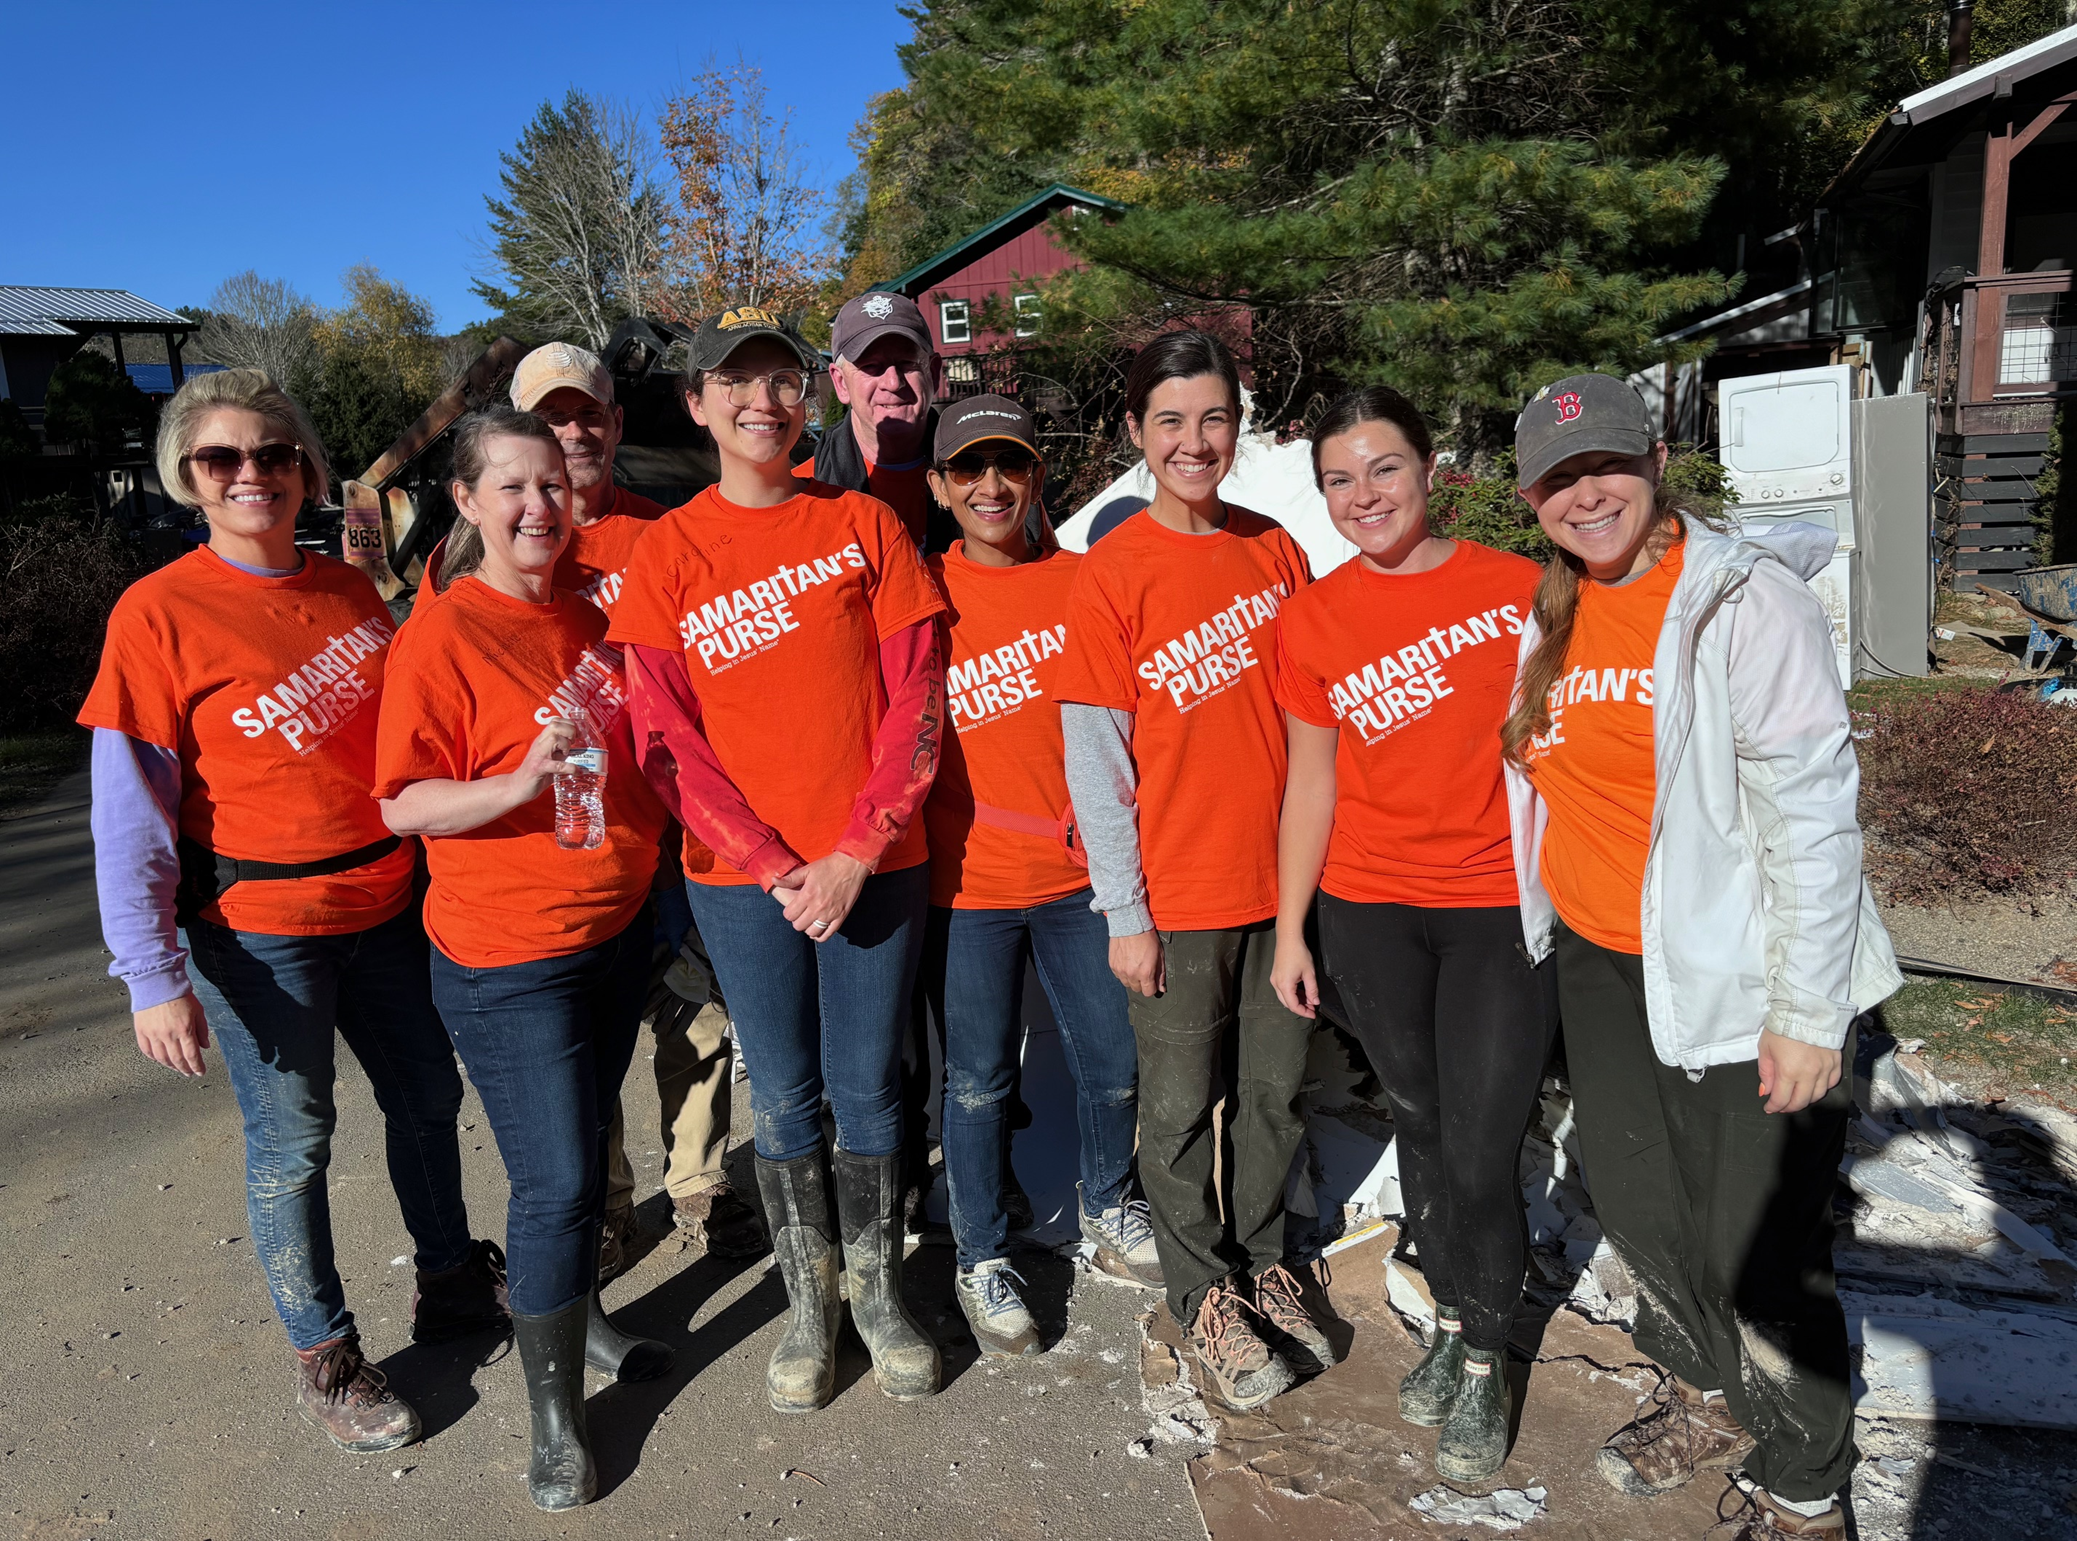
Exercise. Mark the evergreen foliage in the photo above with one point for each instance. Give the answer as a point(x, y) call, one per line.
point(95, 406)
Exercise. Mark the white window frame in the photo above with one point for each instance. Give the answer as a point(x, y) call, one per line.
point(955, 321)
point(1029, 314)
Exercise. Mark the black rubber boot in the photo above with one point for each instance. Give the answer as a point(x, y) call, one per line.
point(905, 1359)
point(561, 1474)
point(612, 1352)
point(1430, 1386)
point(1473, 1443)
point(802, 1375)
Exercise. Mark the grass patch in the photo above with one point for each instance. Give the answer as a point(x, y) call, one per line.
point(32, 763)
point(2002, 1044)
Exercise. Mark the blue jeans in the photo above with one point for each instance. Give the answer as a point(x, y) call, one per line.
point(273, 1003)
point(547, 1045)
point(816, 1016)
point(974, 971)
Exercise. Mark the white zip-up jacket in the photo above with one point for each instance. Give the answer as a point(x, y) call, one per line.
point(1755, 913)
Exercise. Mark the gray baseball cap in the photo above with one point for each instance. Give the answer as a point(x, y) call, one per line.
point(878, 313)
point(1576, 416)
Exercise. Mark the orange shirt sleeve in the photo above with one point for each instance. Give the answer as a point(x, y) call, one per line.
point(1097, 670)
point(421, 734)
point(902, 591)
point(648, 596)
point(135, 691)
point(1298, 690)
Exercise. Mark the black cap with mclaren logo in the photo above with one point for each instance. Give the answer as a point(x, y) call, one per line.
point(721, 335)
point(1576, 416)
point(982, 417)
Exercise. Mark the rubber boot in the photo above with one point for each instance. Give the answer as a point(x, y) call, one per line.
point(802, 1375)
point(1473, 1443)
point(1430, 1386)
point(561, 1474)
point(612, 1352)
point(905, 1359)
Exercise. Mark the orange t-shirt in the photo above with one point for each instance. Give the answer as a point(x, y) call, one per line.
point(1006, 631)
point(267, 689)
point(1181, 630)
point(1594, 767)
point(473, 681)
point(905, 489)
point(594, 563)
point(780, 613)
point(1417, 673)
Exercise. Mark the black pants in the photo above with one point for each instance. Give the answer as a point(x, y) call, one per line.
point(1458, 1025)
point(1723, 1214)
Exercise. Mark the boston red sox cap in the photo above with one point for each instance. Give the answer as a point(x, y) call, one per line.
point(1575, 416)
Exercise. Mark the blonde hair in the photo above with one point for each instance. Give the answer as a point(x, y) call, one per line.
point(244, 390)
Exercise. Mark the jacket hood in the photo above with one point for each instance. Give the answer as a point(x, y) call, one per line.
point(1803, 549)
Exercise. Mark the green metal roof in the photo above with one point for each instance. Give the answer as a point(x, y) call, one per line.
point(954, 256)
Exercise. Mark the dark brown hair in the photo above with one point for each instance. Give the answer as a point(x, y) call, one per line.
point(472, 436)
point(1372, 404)
point(1179, 356)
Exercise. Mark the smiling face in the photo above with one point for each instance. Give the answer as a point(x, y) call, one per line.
point(991, 511)
point(890, 383)
point(1603, 508)
point(763, 431)
point(589, 431)
point(1188, 434)
point(521, 504)
point(1376, 486)
point(253, 502)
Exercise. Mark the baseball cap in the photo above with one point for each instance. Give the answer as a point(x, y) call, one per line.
point(1575, 416)
point(982, 417)
point(720, 335)
point(555, 366)
point(871, 316)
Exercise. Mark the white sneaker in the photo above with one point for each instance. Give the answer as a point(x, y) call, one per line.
point(1124, 1238)
point(994, 1310)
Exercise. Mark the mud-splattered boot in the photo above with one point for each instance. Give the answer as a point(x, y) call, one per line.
point(1760, 1516)
point(1473, 1444)
point(869, 1198)
point(1240, 1369)
point(1431, 1386)
point(351, 1401)
point(561, 1473)
point(802, 1375)
point(1679, 1433)
point(1294, 1308)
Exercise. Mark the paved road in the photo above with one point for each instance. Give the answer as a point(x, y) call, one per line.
point(146, 1390)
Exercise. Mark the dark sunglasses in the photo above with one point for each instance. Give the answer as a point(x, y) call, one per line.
point(969, 466)
point(224, 463)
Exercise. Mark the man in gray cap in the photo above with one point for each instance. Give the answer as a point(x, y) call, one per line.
point(887, 372)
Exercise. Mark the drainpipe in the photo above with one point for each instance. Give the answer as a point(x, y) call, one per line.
point(1960, 16)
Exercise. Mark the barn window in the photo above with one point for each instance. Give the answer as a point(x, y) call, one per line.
point(1027, 306)
point(955, 321)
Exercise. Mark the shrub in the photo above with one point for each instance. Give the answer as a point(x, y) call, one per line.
point(64, 570)
point(93, 404)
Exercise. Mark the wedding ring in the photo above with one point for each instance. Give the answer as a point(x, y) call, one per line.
point(818, 925)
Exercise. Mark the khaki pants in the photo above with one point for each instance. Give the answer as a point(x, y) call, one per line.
point(693, 1082)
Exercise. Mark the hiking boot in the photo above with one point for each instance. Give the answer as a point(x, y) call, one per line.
point(1676, 1436)
point(1016, 1203)
point(466, 1299)
point(802, 1374)
point(1124, 1237)
point(988, 1294)
point(1239, 1368)
point(1429, 1388)
point(1292, 1305)
point(1473, 1444)
point(616, 1231)
point(869, 1197)
point(717, 1220)
point(350, 1399)
point(1760, 1516)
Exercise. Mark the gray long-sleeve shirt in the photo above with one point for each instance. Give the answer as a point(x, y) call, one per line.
point(1103, 782)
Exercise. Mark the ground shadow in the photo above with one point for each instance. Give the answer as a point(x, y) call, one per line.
point(439, 1379)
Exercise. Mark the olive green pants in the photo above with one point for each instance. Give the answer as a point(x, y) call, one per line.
point(1723, 1214)
point(1217, 1032)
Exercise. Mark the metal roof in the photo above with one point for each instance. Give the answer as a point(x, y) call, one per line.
point(1993, 77)
point(27, 311)
point(954, 255)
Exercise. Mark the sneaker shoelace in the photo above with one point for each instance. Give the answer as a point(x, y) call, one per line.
point(1135, 1225)
point(997, 1294)
point(1222, 1326)
point(1278, 1293)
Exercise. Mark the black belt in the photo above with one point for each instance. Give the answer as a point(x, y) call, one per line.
point(205, 874)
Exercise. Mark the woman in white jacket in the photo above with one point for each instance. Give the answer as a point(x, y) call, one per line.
point(1682, 783)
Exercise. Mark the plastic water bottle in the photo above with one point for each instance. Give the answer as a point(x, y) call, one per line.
point(580, 792)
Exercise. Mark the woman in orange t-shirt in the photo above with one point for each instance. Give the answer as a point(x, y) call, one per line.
point(789, 697)
point(249, 890)
point(1395, 672)
point(540, 948)
point(1175, 756)
point(1004, 877)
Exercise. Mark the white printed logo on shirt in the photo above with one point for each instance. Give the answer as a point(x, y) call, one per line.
point(1381, 698)
point(722, 632)
point(1213, 656)
point(323, 695)
point(1631, 687)
point(993, 685)
point(594, 691)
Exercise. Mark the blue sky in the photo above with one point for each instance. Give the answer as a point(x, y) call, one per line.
point(162, 147)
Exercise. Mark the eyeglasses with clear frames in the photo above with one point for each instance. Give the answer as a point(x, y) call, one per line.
point(788, 386)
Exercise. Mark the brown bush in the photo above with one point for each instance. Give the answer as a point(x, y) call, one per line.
point(1968, 792)
point(61, 572)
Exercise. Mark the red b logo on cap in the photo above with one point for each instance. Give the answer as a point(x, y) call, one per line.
point(1569, 406)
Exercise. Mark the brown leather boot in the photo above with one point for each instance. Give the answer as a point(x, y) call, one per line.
point(350, 1399)
point(717, 1220)
point(462, 1300)
point(616, 1231)
point(1759, 1517)
point(1675, 1436)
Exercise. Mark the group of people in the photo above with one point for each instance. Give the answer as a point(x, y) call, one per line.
point(830, 755)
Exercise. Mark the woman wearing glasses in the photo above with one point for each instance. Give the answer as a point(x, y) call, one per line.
point(784, 679)
point(1004, 875)
point(249, 890)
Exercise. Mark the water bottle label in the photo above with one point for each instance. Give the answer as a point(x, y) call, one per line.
point(593, 760)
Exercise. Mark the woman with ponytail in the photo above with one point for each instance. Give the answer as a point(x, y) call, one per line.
point(1682, 788)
